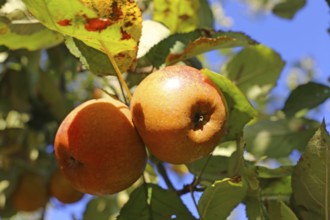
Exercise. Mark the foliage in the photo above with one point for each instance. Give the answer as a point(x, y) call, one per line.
point(57, 54)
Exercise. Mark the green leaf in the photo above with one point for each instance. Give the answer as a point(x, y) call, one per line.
point(94, 60)
point(177, 15)
point(240, 110)
point(105, 208)
point(216, 168)
point(251, 177)
point(266, 173)
point(179, 47)
point(255, 70)
point(221, 198)
point(205, 15)
point(112, 26)
point(308, 96)
point(27, 35)
point(288, 8)
point(310, 179)
point(236, 160)
point(278, 210)
point(211, 41)
point(278, 138)
point(150, 201)
point(255, 207)
point(279, 188)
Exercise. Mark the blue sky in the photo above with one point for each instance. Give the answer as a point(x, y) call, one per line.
point(304, 36)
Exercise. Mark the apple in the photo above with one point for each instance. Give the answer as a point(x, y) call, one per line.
point(62, 190)
point(179, 113)
point(30, 193)
point(98, 148)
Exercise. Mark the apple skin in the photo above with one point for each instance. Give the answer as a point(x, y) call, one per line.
point(31, 193)
point(179, 113)
point(98, 148)
point(62, 190)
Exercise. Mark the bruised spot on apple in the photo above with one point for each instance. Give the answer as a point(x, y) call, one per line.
point(179, 113)
point(98, 148)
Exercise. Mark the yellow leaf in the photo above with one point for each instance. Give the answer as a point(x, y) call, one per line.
point(177, 15)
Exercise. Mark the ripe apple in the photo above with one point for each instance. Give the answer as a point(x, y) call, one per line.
point(62, 190)
point(31, 193)
point(179, 113)
point(98, 148)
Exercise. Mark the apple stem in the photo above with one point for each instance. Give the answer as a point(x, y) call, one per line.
point(199, 176)
point(196, 182)
point(120, 77)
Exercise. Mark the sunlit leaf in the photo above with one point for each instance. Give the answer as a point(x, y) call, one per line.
point(152, 202)
point(255, 70)
point(221, 198)
point(183, 15)
point(310, 179)
point(177, 15)
point(278, 138)
point(104, 208)
point(113, 26)
point(278, 210)
point(152, 33)
point(179, 47)
point(308, 96)
point(288, 8)
point(239, 108)
point(27, 35)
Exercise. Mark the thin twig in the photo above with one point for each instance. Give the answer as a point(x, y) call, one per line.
point(196, 182)
point(162, 171)
point(199, 176)
point(188, 188)
point(117, 70)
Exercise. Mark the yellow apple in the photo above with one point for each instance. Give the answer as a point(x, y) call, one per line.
point(179, 113)
point(98, 148)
